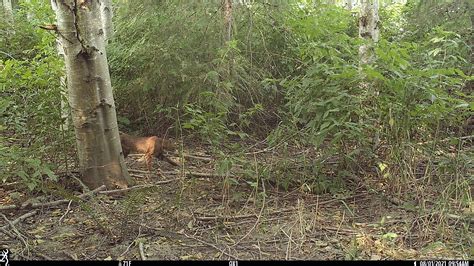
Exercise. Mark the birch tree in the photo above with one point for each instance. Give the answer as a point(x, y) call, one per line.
point(348, 4)
point(8, 9)
point(62, 80)
point(106, 18)
point(90, 96)
point(227, 20)
point(224, 94)
point(368, 29)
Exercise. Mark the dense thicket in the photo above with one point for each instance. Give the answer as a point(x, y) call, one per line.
point(295, 76)
point(30, 116)
point(289, 76)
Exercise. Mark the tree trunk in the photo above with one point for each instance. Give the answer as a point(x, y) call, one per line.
point(348, 4)
point(106, 18)
point(368, 29)
point(62, 80)
point(223, 94)
point(90, 96)
point(8, 9)
point(227, 20)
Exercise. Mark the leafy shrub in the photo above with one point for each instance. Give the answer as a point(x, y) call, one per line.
point(30, 106)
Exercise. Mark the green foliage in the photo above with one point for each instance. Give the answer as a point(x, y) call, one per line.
point(167, 62)
point(179, 55)
point(415, 98)
point(423, 16)
point(295, 66)
point(290, 74)
point(320, 97)
point(30, 115)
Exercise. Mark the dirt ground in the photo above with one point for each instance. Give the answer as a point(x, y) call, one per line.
point(191, 215)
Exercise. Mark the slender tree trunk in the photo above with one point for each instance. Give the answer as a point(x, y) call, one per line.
point(106, 14)
point(348, 4)
point(227, 20)
point(470, 7)
point(8, 9)
point(224, 94)
point(368, 29)
point(90, 94)
point(62, 80)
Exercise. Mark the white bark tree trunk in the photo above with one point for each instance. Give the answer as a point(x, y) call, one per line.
point(8, 9)
point(90, 96)
point(368, 29)
point(62, 81)
point(348, 4)
point(227, 20)
point(106, 14)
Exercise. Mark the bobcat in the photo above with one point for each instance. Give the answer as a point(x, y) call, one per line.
point(150, 146)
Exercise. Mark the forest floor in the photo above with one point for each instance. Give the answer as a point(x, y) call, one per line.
point(193, 217)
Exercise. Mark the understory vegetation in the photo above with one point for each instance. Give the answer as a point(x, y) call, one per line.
point(289, 84)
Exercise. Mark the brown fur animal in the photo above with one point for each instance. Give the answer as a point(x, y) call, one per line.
point(150, 146)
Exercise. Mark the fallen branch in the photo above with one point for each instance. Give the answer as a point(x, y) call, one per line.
point(17, 233)
point(139, 176)
point(107, 192)
point(206, 159)
point(8, 207)
point(7, 185)
point(65, 213)
point(17, 220)
point(70, 255)
point(213, 218)
point(142, 253)
point(172, 162)
point(138, 171)
point(7, 233)
point(196, 174)
point(59, 202)
point(260, 151)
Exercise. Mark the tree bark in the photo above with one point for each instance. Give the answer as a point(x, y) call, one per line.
point(8, 9)
point(348, 4)
point(101, 160)
point(368, 29)
point(227, 20)
point(106, 14)
point(62, 80)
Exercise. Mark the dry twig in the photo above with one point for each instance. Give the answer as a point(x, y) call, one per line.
point(211, 245)
point(18, 234)
point(17, 220)
point(142, 253)
point(206, 159)
point(59, 202)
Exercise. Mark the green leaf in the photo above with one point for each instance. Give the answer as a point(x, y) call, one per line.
point(390, 236)
point(391, 122)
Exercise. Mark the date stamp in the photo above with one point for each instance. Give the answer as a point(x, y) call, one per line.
point(442, 263)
